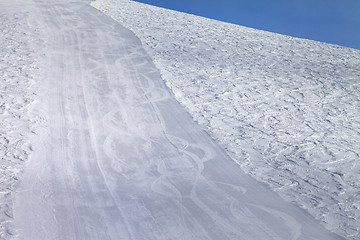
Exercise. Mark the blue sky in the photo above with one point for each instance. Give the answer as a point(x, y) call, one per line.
point(331, 21)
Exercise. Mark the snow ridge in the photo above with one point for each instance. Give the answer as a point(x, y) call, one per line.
point(18, 121)
point(285, 109)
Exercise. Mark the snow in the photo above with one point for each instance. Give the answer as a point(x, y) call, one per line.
point(285, 109)
point(18, 121)
point(119, 158)
point(95, 146)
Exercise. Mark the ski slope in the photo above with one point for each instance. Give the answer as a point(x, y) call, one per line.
point(287, 110)
point(113, 155)
point(19, 71)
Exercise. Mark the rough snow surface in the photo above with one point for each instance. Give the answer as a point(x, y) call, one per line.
point(117, 157)
point(287, 110)
point(18, 121)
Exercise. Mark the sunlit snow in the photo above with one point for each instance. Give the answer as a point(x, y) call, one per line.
point(287, 110)
point(18, 122)
point(95, 145)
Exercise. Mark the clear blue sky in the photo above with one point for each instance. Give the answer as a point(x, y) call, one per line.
point(331, 21)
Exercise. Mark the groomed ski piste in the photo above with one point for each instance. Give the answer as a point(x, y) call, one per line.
point(121, 120)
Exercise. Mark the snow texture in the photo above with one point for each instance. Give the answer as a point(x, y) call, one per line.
point(287, 110)
point(119, 158)
point(18, 121)
point(113, 154)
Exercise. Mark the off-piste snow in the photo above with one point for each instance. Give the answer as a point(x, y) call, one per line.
point(113, 155)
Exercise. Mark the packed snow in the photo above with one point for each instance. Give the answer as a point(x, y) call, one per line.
point(286, 110)
point(117, 157)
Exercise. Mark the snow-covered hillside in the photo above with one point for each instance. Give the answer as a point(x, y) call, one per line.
point(287, 110)
point(115, 155)
point(18, 121)
point(110, 153)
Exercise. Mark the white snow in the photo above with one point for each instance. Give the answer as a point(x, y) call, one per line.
point(120, 158)
point(18, 121)
point(287, 110)
point(111, 154)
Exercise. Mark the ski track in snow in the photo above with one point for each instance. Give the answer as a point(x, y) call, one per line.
point(19, 122)
point(285, 109)
point(114, 154)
